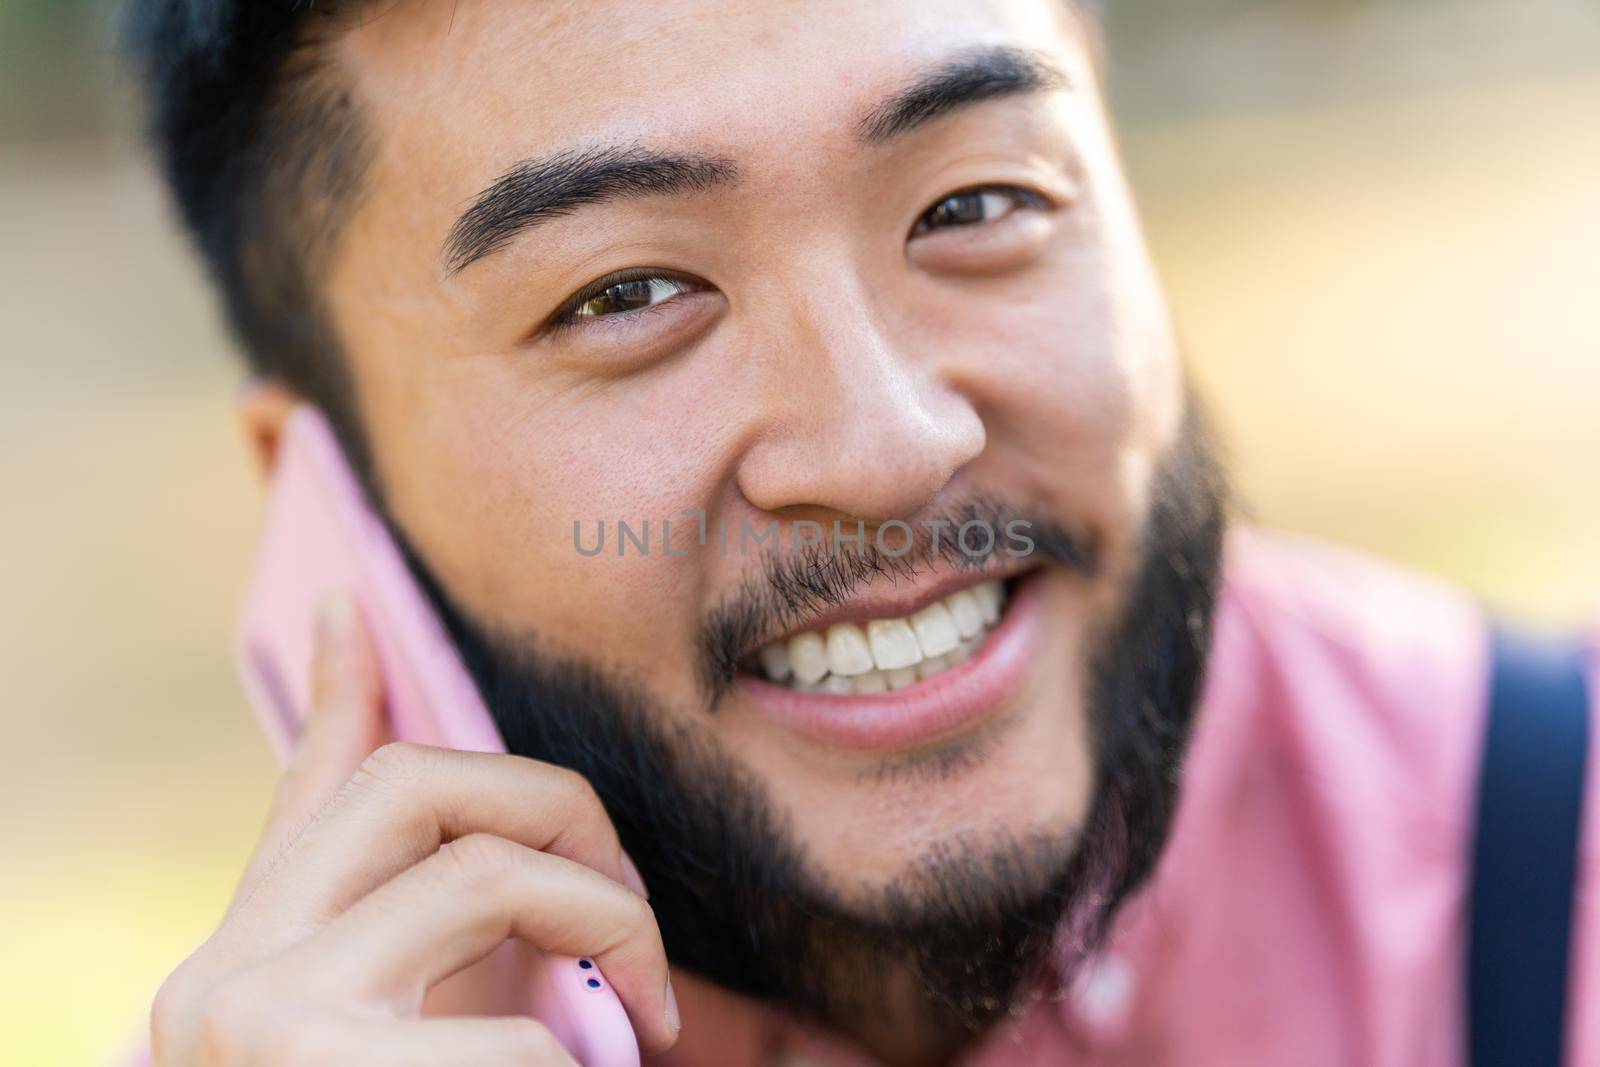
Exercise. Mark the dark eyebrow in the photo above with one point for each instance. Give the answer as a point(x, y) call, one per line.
point(539, 189)
point(970, 77)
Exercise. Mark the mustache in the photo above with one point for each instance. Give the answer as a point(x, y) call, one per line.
point(789, 587)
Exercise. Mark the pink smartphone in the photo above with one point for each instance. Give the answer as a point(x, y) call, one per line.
point(320, 534)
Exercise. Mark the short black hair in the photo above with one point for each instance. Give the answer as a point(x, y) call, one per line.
point(264, 149)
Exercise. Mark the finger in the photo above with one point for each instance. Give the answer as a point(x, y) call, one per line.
point(460, 904)
point(343, 725)
point(407, 800)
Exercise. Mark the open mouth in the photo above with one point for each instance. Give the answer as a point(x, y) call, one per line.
point(885, 654)
point(901, 681)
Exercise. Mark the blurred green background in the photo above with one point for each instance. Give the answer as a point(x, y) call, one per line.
point(1379, 221)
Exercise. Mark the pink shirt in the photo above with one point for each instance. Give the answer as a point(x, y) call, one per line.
point(1310, 908)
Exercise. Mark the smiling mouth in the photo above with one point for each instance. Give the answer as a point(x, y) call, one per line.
point(872, 707)
point(882, 655)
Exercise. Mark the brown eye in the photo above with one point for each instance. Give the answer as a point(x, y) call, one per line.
point(972, 207)
point(618, 298)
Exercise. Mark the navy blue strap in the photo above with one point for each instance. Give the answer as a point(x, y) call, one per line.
point(1524, 865)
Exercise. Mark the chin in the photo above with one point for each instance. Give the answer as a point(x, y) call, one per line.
point(992, 746)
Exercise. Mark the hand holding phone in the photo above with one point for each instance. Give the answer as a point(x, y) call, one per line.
point(495, 882)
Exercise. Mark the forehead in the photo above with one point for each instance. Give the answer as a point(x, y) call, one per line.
point(476, 85)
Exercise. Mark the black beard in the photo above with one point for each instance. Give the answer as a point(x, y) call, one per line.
point(973, 924)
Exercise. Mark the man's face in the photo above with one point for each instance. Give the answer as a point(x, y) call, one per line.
point(839, 300)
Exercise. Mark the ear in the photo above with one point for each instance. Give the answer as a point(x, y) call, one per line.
point(263, 408)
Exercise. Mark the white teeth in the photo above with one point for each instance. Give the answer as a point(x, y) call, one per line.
point(989, 595)
point(886, 654)
point(808, 656)
point(848, 653)
point(965, 610)
point(871, 682)
point(893, 644)
point(775, 661)
point(936, 630)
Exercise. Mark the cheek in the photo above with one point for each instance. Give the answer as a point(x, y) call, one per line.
point(1079, 353)
point(498, 471)
point(1075, 377)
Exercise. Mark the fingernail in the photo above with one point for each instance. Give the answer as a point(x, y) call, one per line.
point(673, 1023)
point(334, 614)
point(632, 878)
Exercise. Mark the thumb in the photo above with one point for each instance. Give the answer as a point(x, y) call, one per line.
point(343, 726)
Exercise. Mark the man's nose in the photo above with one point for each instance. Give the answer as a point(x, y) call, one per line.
point(853, 423)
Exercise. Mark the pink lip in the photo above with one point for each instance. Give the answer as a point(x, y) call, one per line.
point(944, 704)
